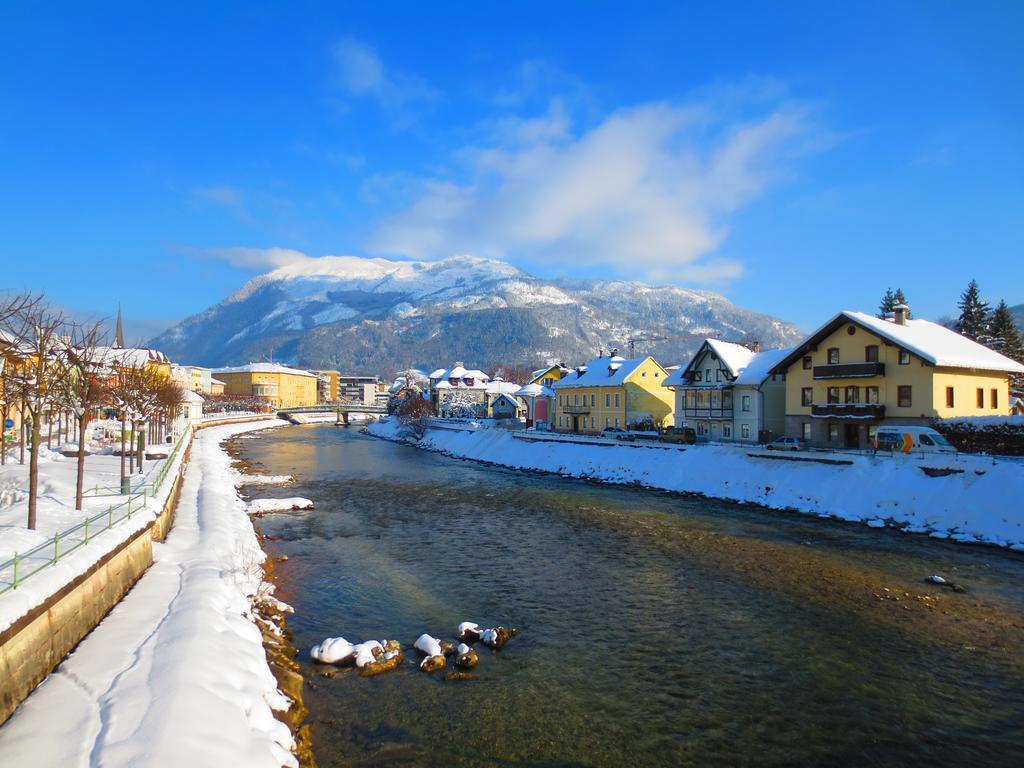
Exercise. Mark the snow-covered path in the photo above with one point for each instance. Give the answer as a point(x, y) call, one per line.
point(176, 674)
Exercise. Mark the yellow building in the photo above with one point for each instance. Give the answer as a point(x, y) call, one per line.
point(858, 372)
point(328, 388)
point(612, 392)
point(280, 386)
point(546, 377)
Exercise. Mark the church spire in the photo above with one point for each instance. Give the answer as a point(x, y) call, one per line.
point(119, 332)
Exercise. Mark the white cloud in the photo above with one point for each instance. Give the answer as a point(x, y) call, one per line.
point(253, 258)
point(362, 74)
point(225, 196)
point(647, 191)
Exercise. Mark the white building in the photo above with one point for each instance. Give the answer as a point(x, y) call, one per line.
point(728, 393)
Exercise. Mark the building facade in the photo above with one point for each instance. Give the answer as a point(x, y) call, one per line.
point(278, 385)
point(727, 392)
point(858, 372)
point(612, 392)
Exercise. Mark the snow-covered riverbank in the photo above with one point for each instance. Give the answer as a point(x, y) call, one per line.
point(979, 501)
point(176, 674)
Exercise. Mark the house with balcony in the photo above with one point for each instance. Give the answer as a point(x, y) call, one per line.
point(728, 392)
point(537, 396)
point(453, 389)
point(611, 391)
point(858, 372)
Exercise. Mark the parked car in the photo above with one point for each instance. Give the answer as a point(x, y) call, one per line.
point(685, 435)
point(614, 433)
point(785, 444)
point(911, 439)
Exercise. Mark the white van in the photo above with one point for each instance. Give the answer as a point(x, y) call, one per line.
point(911, 440)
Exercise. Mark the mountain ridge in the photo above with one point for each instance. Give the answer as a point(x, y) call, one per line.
point(378, 316)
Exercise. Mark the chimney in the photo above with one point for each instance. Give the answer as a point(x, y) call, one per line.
point(755, 347)
point(900, 312)
point(613, 352)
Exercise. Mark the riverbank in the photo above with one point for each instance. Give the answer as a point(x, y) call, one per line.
point(177, 673)
point(968, 500)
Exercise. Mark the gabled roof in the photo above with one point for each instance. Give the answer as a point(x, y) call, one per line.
point(734, 357)
point(503, 396)
point(540, 372)
point(760, 367)
point(931, 342)
point(602, 372)
point(136, 356)
point(534, 390)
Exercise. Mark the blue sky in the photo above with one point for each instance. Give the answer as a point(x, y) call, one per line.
point(799, 159)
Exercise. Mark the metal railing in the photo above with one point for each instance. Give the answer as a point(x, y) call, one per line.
point(152, 483)
point(23, 565)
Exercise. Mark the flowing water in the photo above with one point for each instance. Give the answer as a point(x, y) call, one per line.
point(655, 629)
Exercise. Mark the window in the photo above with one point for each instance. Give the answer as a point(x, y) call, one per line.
point(903, 399)
point(950, 400)
point(727, 430)
point(904, 357)
point(617, 403)
point(981, 397)
point(727, 399)
point(707, 374)
point(871, 395)
point(871, 353)
point(592, 399)
point(832, 395)
point(746, 403)
point(657, 374)
point(718, 375)
point(607, 401)
point(548, 381)
point(576, 399)
point(745, 431)
point(833, 433)
point(853, 394)
point(643, 374)
point(807, 430)
point(994, 399)
point(806, 396)
point(833, 356)
point(696, 375)
point(616, 421)
point(807, 362)
point(592, 422)
point(925, 440)
point(607, 421)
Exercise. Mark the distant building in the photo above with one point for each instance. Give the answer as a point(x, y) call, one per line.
point(360, 389)
point(278, 385)
point(217, 386)
point(192, 377)
point(328, 389)
point(612, 392)
point(446, 382)
point(858, 372)
point(727, 392)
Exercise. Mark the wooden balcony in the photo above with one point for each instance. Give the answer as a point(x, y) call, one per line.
point(848, 410)
point(707, 413)
point(849, 371)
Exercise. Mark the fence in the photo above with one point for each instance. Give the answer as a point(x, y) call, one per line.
point(23, 565)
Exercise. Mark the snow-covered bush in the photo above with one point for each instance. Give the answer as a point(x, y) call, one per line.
point(999, 435)
point(462, 405)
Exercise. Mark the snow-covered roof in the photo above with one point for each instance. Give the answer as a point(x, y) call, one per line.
point(601, 372)
point(479, 378)
point(189, 396)
point(760, 366)
point(534, 390)
point(929, 341)
point(439, 373)
point(502, 387)
point(263, 368)
point(735, 357)
point(443, 385)
point(218, 381)
point(503, 396)
point(136, 356)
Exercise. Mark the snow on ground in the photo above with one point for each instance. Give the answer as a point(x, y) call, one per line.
point(56, 512)
point(176, 674)
point(244, 479)
point(977, 502)
point(259, 506)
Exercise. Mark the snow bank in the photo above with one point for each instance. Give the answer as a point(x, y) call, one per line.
point(243, 479)
point(259, 506)
point(972, 498)
point(176, 674)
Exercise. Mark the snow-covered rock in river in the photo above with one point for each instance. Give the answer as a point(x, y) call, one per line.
point(333, 650)
point(261, 506)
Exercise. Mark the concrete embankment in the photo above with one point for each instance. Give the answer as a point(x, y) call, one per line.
point(965, 498)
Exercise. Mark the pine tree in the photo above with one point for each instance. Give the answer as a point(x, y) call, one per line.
point(1005, 336)
point(899, 298)
point(888, 302)
point(974, 321)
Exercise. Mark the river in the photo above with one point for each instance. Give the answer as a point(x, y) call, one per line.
point(655, 629)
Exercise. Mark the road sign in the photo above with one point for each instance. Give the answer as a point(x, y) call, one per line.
point(8, 423)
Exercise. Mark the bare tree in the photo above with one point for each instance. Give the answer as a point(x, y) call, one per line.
point(170, 395)
point(134, 392)
point(38, 330)
point(84, 388)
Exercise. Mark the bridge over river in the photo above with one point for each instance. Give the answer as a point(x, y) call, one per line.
point(342, 410)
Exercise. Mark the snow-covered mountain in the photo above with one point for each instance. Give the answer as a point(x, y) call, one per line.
point(378, 316)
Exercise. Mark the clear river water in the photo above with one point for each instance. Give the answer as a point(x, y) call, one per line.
point(656, 630)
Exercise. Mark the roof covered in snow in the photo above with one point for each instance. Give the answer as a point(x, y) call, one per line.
point(137, 356)
point(535, 390)
point(931, 342)
point(497, 386)
point(602, 372)
point(760, 366)
point(188, 396)
point(263, 368)
point(462, 375)
point(734, 357)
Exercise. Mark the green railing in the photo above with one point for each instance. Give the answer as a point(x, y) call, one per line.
point(23, 565)
point(152, 483)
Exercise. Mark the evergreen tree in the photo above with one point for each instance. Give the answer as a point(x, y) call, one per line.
point(1005, 336)
point(974, 321)
point(888, 302)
